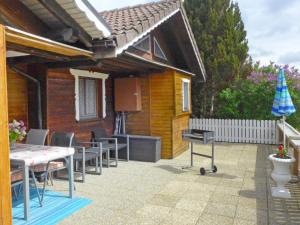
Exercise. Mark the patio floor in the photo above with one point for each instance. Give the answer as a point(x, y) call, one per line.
point(162, 193)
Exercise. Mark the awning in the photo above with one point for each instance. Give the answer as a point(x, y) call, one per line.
point(16, 37)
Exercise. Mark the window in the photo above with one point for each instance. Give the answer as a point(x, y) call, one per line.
point(185, 95)
point(87, 99)
point(158, 52)
point(86, 84)
point(144, 44)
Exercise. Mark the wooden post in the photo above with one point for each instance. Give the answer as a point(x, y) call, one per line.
point(5, 190)
point(296, 164)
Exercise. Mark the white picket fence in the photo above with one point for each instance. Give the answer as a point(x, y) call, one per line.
point(240, 131)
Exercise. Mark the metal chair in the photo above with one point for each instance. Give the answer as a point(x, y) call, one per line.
point(113, 143)
point(86, 151)
point(16, 178)
point(57, 139)
point(61, 140)
point(36, 136)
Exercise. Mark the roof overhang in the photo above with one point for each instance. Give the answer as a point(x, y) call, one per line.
point(193, 43)
point(93, 15)
point(20, 38)
point(79, 15)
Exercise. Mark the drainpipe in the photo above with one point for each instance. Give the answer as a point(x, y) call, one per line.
point(39, 99)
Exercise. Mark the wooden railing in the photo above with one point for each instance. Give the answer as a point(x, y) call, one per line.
point(239, 131)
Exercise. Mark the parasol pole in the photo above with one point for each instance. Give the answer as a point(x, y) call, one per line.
point(283, 119)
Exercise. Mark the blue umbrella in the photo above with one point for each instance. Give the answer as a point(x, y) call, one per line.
point(283, 105)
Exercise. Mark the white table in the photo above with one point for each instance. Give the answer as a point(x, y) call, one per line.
point(31, 155)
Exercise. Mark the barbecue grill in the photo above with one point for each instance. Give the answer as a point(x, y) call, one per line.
point(201, 137)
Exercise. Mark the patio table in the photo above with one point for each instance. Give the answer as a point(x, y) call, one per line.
point(31, 155)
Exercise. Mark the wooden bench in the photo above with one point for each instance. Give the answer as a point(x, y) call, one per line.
point(292, 140)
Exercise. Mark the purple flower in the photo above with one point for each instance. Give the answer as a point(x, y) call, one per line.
point(21, 123)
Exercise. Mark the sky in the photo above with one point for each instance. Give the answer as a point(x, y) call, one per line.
point(273, 28)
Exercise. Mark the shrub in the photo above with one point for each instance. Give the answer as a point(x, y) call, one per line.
point(252, 98)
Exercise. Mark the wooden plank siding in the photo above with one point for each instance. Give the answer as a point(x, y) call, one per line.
point(61, 107)
point(17, 89)
point(162, 109)
point(161, 113)
point(5, 192)
point(139, 122)
point(179, 123)
point(181, 119)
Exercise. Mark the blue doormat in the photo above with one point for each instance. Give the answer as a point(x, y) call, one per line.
point(56, 207)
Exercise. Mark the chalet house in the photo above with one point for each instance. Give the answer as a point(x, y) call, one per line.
point(66, 67)
point(138, 60)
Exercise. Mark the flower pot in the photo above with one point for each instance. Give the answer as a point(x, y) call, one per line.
point(281, 174)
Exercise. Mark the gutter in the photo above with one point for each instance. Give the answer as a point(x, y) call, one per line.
point(39, 99)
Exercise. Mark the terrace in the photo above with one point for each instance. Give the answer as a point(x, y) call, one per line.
point(163, 193)
point(82, 77)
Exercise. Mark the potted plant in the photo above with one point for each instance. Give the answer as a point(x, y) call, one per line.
point(281, 173)
point(17, 132)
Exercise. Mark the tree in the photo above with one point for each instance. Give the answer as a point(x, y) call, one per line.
point(221, 38)
point(252, 97)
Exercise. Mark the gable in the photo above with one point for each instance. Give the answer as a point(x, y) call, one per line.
point(173, 44)
point(167, 46)
point(129, 29)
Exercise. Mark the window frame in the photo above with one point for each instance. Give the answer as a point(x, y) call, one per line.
point(155, 42)
point(88, 74)
point(184, 108)
point(96, 93)
point(140, 41)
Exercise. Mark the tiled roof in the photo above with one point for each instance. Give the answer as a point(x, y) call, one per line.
point(128, 23)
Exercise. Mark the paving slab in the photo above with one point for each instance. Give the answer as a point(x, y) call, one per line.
point(162, 193)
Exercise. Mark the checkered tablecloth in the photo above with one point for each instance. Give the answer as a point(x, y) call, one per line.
point(35, 154)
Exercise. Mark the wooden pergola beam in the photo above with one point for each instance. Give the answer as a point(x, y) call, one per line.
point(17, 37)
point(44, 58)
point(73, 64)
point(5, 192)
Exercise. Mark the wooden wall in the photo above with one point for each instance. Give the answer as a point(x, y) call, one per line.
point(178, 124)
point(17, 89)
point(61, 107)
point(181, 119)
point(162, 113)
point(139, 122)
point(162, 109)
